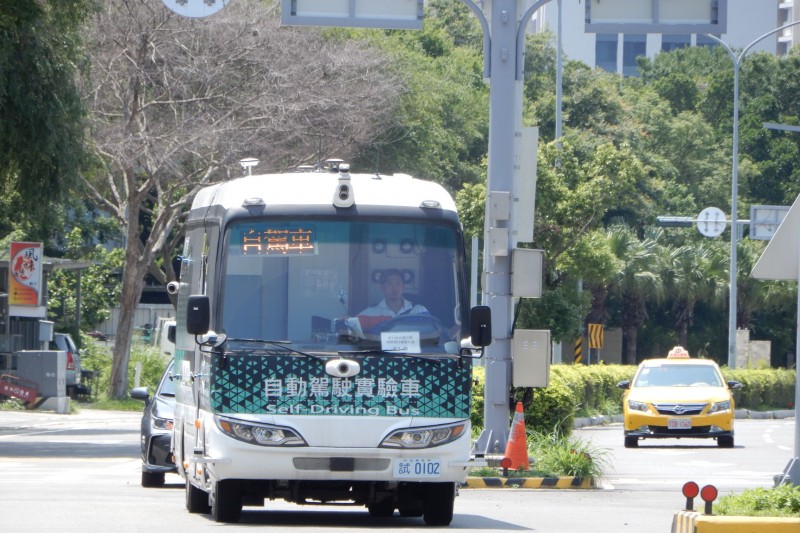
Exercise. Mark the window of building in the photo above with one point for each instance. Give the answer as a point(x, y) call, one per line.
point(673, 42)
point(633, 46)
point(605, 51)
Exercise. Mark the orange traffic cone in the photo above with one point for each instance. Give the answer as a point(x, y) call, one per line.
point(516, 456)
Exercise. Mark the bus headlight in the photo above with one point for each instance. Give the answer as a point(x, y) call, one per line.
point(260, 434)
point(426, 437)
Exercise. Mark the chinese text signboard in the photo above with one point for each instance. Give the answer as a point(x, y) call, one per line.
point(386, 386)
point(25, 274)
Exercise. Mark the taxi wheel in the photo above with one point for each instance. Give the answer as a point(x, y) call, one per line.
point(725, 442)
point(631, 442)
point(152, 479)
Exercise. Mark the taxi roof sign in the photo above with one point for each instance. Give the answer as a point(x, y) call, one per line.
point(678, 352)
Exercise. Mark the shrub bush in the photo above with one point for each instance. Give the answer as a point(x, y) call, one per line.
point(763, 388)
point(97, 357)
point(782, 501)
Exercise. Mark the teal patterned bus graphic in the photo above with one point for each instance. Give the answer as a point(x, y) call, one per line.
point(385, 386)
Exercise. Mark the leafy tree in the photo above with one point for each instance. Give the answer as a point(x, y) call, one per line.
point(693, 273)
point(41, 115)
point(457, 20)
point(561, 309)
point(99, 285)
point(471, 205)
point(440, 129)
point(635, 284)
point(176, 102)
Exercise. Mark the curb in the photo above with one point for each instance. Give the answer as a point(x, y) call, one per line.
point(599, 420)
point(694, 522)
point(529, 483)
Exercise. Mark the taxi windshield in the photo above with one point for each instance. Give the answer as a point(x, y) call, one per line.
point(678, 375)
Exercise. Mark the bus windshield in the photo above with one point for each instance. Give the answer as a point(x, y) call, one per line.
point(337, 285)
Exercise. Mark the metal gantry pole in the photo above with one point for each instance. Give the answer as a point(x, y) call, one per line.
point(497, 259)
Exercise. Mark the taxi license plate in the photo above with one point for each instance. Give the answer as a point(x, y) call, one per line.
point(679, 423)
point(416, 468)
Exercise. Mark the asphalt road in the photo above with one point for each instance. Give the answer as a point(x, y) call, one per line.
point(65, 473)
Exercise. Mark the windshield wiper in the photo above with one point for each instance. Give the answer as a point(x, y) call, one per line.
point(282, 344)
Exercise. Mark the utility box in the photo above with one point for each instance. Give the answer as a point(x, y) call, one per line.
point(48, 369)
point(526, 272)
point(46, 331)
point(530, 352)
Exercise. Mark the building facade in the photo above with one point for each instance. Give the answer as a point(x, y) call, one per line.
point(746, 21)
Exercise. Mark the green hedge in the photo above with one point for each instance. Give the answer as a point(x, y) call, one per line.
point(763, 389)
point(579, 390)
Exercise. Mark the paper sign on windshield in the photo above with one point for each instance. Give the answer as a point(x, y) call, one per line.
point(401, 341)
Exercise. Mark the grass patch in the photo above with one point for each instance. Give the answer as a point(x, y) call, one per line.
point(567, 455)
point(489, 471)
point(557, 455)
point(12, 404)
point(104, 404)
point(782, 501)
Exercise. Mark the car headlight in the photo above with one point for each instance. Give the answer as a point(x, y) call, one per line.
point(426, 437)
point(720, 407)
point(261, 434)
point(164, 424)
point(633, 405)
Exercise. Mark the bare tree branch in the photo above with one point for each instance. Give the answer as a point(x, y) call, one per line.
point(176, 102)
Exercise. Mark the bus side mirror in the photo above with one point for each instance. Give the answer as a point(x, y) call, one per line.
point(198, 314)
point(480, 325)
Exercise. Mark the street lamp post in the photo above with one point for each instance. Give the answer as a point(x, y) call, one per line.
point(737, 62)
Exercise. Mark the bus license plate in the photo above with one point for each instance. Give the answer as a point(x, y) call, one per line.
point(416, 468)
point(679, 423)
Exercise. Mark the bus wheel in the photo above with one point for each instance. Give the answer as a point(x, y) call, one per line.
point(437, 504)
point(226, 502)
point(196, 499)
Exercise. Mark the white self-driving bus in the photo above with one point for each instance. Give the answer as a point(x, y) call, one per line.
point(286, 387)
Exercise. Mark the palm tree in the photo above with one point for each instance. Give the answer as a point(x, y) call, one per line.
point(637, 282)
point(693, 273)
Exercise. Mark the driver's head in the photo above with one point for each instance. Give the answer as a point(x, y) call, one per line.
point(392, 284)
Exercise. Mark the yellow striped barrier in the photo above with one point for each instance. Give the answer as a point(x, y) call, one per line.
point(530, 483)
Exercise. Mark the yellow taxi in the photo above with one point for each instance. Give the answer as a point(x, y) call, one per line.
point(678, 397)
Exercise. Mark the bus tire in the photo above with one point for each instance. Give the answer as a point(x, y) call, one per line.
point(437, 504)
point(196, 499)
point(226, 502)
